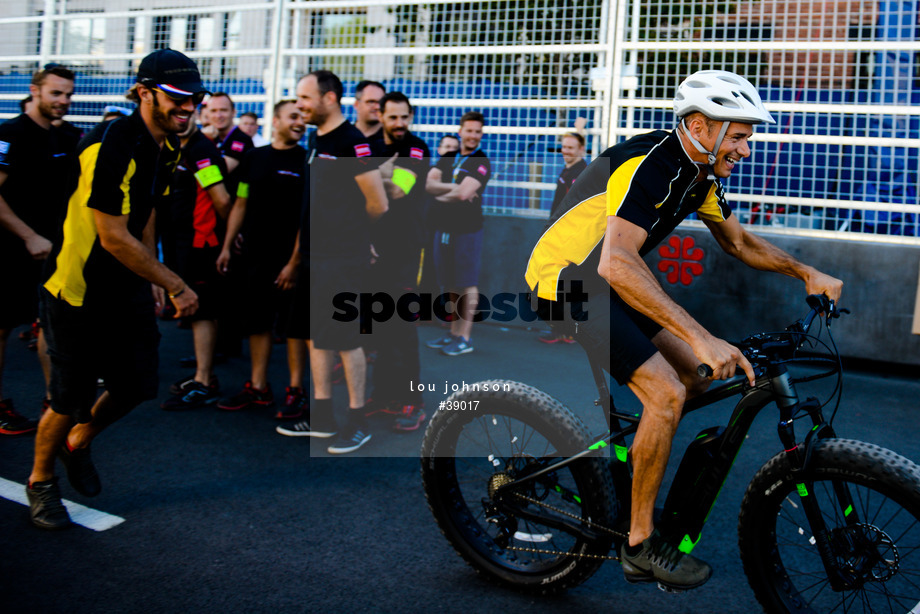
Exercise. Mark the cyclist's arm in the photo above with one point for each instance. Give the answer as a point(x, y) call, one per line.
point(626, 272)
point(760, 254)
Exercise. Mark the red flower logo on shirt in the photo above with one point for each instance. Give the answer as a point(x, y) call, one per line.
point(680, 260)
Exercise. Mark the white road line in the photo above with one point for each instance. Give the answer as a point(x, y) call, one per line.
point(80, 514)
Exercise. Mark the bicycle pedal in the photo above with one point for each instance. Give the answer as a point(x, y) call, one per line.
point(669, 589)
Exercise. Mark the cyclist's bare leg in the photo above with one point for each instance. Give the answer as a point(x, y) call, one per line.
point(679, 355)
point(662, 395)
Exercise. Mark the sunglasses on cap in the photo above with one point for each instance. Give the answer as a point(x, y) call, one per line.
point(175, 96)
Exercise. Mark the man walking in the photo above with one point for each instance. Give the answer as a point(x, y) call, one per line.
point(101, 280)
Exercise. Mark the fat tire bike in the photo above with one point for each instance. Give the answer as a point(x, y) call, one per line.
point(531, 500)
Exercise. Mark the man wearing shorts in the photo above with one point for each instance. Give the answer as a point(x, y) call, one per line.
point(345, 194)
point(101, 280)
point(626, 202)
point(267, 213)
point(398, 243)
point(192, 221)
point(38, 171)
point(457, 183)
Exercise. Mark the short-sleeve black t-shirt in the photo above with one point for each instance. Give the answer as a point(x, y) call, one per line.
point(236, 145)
point(401, 226)
point(336, 217)
point(188, 215)
point(123, 172)
point(42, 168)
point(272, 181)
point(462, 217)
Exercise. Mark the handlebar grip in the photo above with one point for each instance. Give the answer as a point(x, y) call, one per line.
point(704, 370)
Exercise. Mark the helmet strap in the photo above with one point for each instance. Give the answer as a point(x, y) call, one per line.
point(711, 156)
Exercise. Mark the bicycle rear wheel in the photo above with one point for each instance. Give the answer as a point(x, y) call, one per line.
point(515, 430)
point(869, 498)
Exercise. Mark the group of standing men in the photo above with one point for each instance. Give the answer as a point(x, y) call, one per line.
point(293, 226)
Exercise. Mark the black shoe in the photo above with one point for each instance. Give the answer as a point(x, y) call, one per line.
point(248, 397)
point(410, 419)
point(352, 438)
point(45, 506)
point(303, 429)
point(195, 396)
point(12, 422)
point(660, 561)
point(81, 473)
point(296, 404)
point(184, 385)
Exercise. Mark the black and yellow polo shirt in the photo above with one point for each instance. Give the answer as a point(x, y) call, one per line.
point(648, 180)
point(122, 172)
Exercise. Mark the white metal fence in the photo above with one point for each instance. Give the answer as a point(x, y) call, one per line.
point(840, 77)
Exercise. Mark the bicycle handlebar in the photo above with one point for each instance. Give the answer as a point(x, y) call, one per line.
point(819, 303)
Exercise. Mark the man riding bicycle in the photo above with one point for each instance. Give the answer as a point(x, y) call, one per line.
point(624, 204)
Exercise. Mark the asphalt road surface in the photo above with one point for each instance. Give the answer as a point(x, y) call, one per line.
point(215, 512)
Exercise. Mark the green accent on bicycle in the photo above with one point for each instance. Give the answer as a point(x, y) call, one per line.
point(687, 544)
point(564, 492)
point(803, 490)
point(848, 511)
point(622, 453)
point(597, 446)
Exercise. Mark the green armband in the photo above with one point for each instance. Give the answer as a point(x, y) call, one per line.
point(208, 176)
point(242, 190)
point(404, 179)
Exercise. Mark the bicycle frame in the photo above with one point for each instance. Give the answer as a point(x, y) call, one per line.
point(685, 514)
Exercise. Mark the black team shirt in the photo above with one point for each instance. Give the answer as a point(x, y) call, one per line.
point(401, 227)
point(462, 217)
point(335, 212)
point(273, 182)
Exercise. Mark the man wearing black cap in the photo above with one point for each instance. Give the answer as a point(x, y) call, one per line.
point(101, 278)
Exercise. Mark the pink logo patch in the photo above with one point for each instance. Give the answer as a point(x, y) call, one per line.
point(236, 146)
point(416, 153)
point(362, 150)
point(203, 164)
point(482, 170)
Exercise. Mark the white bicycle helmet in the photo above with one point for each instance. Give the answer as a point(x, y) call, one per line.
point(721, 96)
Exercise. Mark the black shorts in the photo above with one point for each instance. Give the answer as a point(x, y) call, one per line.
point(117, 342)
point(613, 334)
point(327, 279)
point(261, 303)
point(21, 282)
point(198, 268)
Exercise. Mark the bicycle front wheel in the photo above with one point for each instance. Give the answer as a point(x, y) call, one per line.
point(489, 439)
point(869, 498)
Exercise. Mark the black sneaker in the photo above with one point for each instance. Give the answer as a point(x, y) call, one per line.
point(660, 561)
point(303, 429)
point(296, 404)
point(248, 397)
point(45, 506)
point(410, 419)
point(12, 422)
point(81, 473)
point(194, 396)
point(184, 384)
point(352, 438)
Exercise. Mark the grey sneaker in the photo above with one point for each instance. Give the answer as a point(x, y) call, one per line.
point(45, 506)
point(660, 561)
point(437, 344)
point(459, 346)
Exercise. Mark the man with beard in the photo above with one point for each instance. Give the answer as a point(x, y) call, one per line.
point(191, 226)
point(101, 280)
point(398, 239)
point(32, 150)
point(267, 212)
point(345, 194)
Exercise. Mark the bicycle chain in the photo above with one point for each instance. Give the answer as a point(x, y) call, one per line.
point(589, 523)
